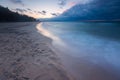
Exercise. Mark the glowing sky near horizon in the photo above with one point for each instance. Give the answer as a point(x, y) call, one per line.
point(40, 8)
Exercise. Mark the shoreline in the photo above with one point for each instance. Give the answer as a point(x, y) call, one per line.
point(82, 68)
point(29, 54)
point(26, 55)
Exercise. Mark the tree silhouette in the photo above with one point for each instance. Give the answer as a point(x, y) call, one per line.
point(8, 16)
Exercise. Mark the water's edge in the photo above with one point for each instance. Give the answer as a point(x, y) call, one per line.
point(80, 68)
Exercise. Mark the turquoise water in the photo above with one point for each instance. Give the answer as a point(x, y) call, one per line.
point(98, 43)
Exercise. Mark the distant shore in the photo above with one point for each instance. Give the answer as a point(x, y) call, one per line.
point(25, 55)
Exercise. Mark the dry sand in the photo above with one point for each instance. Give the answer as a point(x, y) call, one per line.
point(25, 55)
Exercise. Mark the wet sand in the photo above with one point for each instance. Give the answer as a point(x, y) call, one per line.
point(25, 54)
point(81, 67)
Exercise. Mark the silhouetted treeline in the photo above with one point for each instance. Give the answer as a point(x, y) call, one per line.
point(8, 16)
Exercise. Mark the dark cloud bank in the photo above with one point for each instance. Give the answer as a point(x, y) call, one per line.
point(95, 10)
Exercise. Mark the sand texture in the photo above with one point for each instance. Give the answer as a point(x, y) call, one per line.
point(25, 55)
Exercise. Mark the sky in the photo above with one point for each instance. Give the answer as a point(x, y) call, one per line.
point(40, 8)
point(94, 10)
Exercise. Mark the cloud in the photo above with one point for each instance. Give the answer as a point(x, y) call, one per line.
point(85, 1)
point(17, 2)
point(31, 12)
point(29, 9)
point(55, 14)
point(72, 3)
point(35, 12)
point(20, 10)
point(42, 12)
point(94, 10)
point(62, 3)
point(24, 10)
point(39, 12)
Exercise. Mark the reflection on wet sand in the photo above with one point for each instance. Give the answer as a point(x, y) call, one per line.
point(49, 35)
point(93, 60)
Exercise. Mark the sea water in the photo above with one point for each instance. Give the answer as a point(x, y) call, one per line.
point(99, 43)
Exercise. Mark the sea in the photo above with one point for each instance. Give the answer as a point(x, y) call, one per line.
point(95, 42)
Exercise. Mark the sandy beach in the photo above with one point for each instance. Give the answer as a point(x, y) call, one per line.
point(25, 54)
